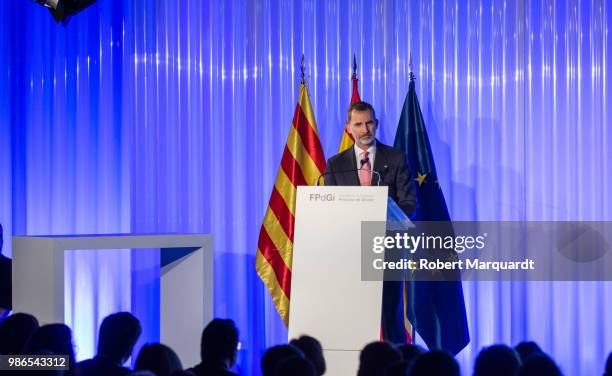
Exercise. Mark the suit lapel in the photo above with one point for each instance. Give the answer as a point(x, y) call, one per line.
point(381, 163)
point(349, 162)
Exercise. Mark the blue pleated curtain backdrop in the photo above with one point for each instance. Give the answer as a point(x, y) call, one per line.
point(171, 116)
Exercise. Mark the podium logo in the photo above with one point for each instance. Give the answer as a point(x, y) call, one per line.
point(320, 197)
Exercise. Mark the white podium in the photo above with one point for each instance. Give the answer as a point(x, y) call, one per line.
point(329, 301)
point(186, 281)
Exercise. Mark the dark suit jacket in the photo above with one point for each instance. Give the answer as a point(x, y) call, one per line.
point(390, 163)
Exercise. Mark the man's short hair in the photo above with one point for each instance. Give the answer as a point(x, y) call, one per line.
point(219, 341)
point(436, 362)
point(118, 335)
point(376, 356)
point(312, 350)
point(360, 106)
point(275, 355)
point(497, 360)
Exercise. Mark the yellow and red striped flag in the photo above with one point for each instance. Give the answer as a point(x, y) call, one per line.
point(347, 139)
point(302, 163)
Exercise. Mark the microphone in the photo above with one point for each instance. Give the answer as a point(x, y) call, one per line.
point(374, 172)
point(361, 163)
point(347, 171)
point(367, 160)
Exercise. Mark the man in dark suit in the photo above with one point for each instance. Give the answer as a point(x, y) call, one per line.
point(354, 165)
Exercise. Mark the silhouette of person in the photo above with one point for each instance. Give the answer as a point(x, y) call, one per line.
point(118, 334)
point(159, 359)
point(312, 350)
point(497, 360)
point(53, 339)
point(218, 349)
point(15, 331)
point(375, 357)
point(276, 355)
point(436, 362)
point(539, 365)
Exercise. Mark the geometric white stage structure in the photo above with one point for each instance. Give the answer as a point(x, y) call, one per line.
point(186, 280)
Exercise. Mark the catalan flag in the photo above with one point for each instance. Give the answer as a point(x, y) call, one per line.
point(302, 163)
point(347, 139)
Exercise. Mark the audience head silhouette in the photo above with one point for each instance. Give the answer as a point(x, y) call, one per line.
point(526, 349)
point(20, 334)
point(295, 366)
point(497, 360)
point(219, 342)
point(159, 359)
point(276, 355)
point(15, 331)
point(410, 352)
point(377, 356)
point(608, 370)
point(313, 351)
point(400, 368)
point(435, 362)
point(539, 365)
point(118, 334)
point(51, 339)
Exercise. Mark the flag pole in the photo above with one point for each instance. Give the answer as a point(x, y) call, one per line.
point(410, 70)
point(303, 81)
point(411, 77)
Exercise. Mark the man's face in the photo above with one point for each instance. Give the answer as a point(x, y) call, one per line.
point(363, 128)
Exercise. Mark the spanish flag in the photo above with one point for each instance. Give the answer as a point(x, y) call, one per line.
point(302, 163)
point(347, 139)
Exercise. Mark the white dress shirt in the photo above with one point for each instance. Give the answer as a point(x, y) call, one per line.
point(359, 154)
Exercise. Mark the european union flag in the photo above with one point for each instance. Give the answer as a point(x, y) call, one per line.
point(435, 309)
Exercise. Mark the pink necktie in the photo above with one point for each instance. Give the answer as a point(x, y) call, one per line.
point(365, 173)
